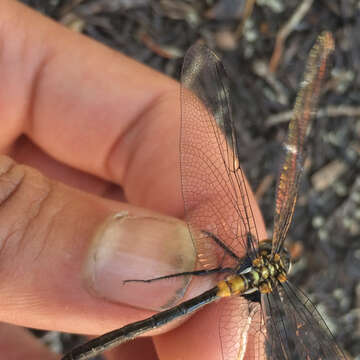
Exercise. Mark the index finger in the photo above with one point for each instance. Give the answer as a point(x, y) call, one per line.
point(89, 106)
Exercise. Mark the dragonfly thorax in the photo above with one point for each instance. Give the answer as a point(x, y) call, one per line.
point(263, 275)
point(270, 268)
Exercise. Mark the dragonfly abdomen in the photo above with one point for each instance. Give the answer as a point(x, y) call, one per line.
point(133, 330)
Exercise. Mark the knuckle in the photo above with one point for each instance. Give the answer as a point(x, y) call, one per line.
point(23, 193)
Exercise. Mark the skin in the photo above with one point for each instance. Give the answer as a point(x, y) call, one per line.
point(77, 113)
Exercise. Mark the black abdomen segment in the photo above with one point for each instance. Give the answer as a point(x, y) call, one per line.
point(128, 332)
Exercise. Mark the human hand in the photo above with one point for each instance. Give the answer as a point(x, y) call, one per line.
point(91, 118)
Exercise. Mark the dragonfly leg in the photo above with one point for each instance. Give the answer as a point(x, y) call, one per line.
point(217, 270)
point(221, 244)
point(251, 244)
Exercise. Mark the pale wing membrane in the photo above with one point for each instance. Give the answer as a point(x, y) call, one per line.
point(304, 112)
point(215, 197)
point(242, 330)
point(295, 329)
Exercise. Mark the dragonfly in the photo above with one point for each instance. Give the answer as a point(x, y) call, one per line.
point(282, 322)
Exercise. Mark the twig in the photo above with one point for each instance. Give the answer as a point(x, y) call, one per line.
point(261, 69)
point(284, 32)
point(264, 186)
point(246, 14)
point(68, 7)
point(328, 174)
point(167, 52)
point(329, 111)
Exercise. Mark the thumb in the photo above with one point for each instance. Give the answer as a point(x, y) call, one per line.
point(64, 255)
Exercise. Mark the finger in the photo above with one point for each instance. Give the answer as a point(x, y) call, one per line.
point(89, 107)
point(198, 338)
point(64, 255)
point(18, 344)
point(138, 349)
point(217, 332)
point(26, 152)
point(138, 194)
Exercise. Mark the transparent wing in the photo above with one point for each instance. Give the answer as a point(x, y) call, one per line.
point(242, 330)
point(294, 328)
point(285, 326)
point(304, 112)
point(213, 185)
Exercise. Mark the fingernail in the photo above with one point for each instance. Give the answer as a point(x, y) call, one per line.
point(128, 247)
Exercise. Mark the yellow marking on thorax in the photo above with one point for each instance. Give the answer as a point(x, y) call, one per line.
point(257, 262)
point(265, 287)
point(277, 258)
point(264, 271)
